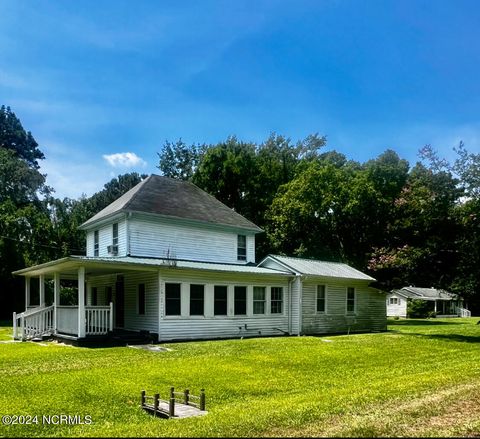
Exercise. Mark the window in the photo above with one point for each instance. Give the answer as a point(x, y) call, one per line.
point(94, 296)
point(321, 298)
point(259, 300)
point(115, 234)
point(172, 300)
point(108, 294)
point(220, 300)
point(241, 247)
point(240, 302)
point(393, 300)
point(350, 300)
point(95, 243)
point(276, 300)
point(197, 300)
point(141, 299)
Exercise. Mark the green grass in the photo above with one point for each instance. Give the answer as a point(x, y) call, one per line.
point(403, 382)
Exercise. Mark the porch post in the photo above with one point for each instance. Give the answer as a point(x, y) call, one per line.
point(42, 290)
point(81, 302)
point(435, 307)
point(56, 299)
point(27, 292)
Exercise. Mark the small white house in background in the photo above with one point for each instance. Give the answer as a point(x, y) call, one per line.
point(170, 260)
point(444, 304)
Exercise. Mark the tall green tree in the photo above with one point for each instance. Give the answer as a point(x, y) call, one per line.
point(179, 160)
point(14, 137)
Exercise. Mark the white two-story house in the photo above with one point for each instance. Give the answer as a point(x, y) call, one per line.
point(169, 259)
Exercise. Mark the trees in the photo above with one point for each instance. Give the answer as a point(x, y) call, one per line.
point(14, 138)
point(24, 220)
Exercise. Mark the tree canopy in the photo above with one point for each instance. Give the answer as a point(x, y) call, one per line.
point(402, 224)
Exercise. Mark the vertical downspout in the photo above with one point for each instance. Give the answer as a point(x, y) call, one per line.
point(290, 302)
point(300, 310)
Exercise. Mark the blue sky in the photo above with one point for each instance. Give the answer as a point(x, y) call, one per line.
point(95, 80)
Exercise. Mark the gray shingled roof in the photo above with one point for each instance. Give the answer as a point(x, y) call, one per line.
point(321, 268)
point(174, 198)
point(425, 293)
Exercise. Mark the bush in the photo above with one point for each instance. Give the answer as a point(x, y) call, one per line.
point(420, 309)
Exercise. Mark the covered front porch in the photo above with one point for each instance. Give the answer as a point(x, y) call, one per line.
point(88, 314)
point(77, 321)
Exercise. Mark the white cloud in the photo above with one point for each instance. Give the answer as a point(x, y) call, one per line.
point(124, 160)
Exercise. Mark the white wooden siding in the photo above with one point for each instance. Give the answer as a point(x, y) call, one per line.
point(187, 327)
point(90, 243)
point(105, 238)
point(399, 310)
point(132, 320)
point(101, 283)
point(152, 237)
point(149, 320)
point(370, 312)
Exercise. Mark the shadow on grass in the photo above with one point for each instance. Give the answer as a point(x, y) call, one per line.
point(418, 322)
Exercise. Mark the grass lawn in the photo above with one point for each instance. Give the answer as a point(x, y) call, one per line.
point(421, 378)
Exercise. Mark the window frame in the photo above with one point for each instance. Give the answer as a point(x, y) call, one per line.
point(94, 297)
point(109, 294)
point(215, 301)
point(96, 243)
point(276, 301)
point(115, 235)
point(354, 311)
point(197, 300)
point(241, 248)
point(393, 301)
point(235, 300)
point(263, 301)
point(141, 291)
point(324, 299)
point(179, 299)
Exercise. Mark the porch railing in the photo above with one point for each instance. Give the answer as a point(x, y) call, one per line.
point(98, 319)
point(463, 312)
point(41, 321)
point(33, 323)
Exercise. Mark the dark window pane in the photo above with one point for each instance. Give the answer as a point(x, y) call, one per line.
point(321, 298)
point(141, 299)
point(240, 304)
point(220, 301)
point(350, 299)
point(241, 247)
point(197, 300)
point(94, 296)
point(108, 294)
point(115, 234)
point(172, 300)
point(95, 243)
point(276, 300)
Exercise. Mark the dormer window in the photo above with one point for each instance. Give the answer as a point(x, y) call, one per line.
point(241, 247)
point(95, 243)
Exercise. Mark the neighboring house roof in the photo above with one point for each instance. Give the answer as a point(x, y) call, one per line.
point(73, 262)
point(424, 293)
point(319, 268)
point(174, 198)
